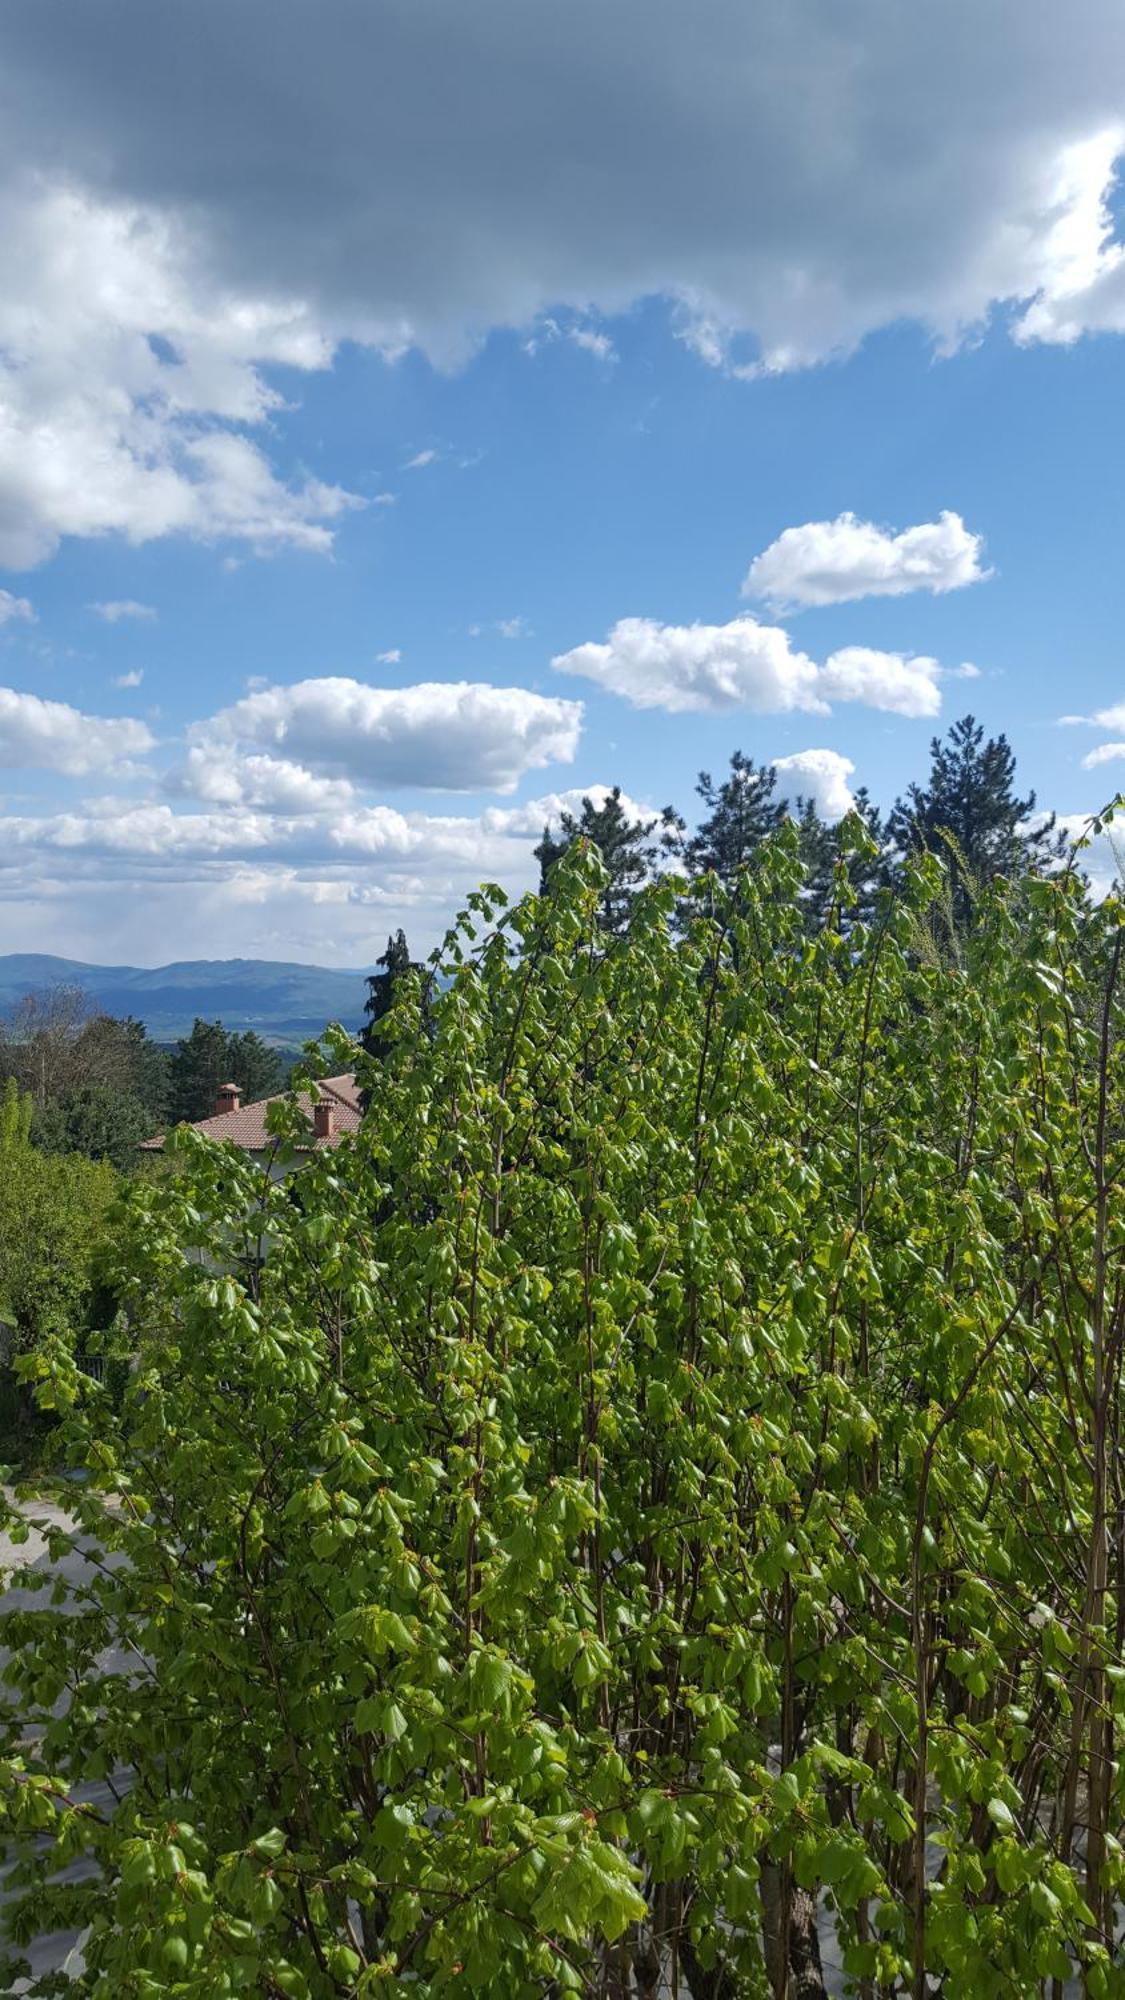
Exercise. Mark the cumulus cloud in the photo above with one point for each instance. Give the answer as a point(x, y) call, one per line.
point(132, 679)
point(168, 250)
point(51, 736)
point(900, 684)
point(819, 775)
point(221, 775)
point(118, 608)
point(925, 170)
point(747, 665)
point(445, 736)
point(743, 665)
point(12, 608)
point(1086, 291)
point(123, 363)
point(832, 562)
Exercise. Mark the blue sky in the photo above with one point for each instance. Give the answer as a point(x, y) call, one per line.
point(342, 436)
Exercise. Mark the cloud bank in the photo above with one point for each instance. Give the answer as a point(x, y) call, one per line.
point(443, 735)
point(744, 665)
point(787, 180)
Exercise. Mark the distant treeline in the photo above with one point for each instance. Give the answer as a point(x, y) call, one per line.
point(98, 1085)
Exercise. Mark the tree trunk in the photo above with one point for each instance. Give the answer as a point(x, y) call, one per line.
point(805, 1975)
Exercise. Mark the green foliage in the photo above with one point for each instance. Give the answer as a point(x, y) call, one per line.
point(53, 1213)
point(95, 1119)
point(211, 1055)
point(662, 1474)
point(629, 850)
point(88, 1083)
point(396, 962)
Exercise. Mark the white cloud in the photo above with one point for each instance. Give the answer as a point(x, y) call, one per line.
point(420, 460)
point(391, 657)
point(709, 668)
point(820, 775)
point(445, 736)
point(927, 169)
point(592, 342)
point(1085, 288)
point(747, 665)
point(385, 500)
point(123, 361)
point(895, 682)
point(15, 607)
point(590, 339)
point(221, 775)
point(1104, 718)
point(832, 562)
point(132, 679)
point(122, 607)
point(1105, 753)
point(167, 248)
point(51, 736)
point(506, 628)
point(117, 878)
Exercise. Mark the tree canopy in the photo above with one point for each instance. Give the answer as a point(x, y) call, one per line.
point(630, 849)
point(212, 1055)
point(660, 1482)
point(970, 809)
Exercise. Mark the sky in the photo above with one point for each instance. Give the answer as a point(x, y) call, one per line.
point(414, 416)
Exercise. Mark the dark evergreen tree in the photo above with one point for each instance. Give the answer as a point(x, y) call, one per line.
point(255, 1065)
point(395, 963)
point(630, 849)
point(969, 812)
point(210, 1056)
point(820, 853)
point(740, 813)
point(198, 1066)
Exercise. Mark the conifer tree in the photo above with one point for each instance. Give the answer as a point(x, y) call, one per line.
point(741, 811)
point(969, 810)
point(210, 1056)
point(395, 963)
point(630, 850)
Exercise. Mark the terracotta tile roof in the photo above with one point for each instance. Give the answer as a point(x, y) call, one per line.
point(247, 1126)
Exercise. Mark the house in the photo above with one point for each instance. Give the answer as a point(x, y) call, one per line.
point(336, 1112)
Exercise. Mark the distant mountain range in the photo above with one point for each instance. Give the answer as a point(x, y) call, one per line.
point(284, 1003)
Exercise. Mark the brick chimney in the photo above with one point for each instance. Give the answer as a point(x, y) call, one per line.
point(324, 1118)
point(227, 1098)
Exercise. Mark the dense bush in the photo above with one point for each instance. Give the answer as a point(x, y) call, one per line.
point(662, 1477)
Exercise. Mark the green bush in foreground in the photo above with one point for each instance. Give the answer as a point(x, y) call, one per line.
point(662, 1476)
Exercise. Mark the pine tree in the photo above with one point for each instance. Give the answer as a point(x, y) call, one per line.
point(820, 853)
point(630, 850)
point(395, 962)
point(210, 1056)
point(254, 1065)
point(740, 813)
point(969, 813)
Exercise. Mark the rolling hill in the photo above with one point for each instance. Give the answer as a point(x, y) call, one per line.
point(285, 1003)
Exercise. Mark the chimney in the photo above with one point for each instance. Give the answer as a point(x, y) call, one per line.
point(228, 1098)
point(324, 1118)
